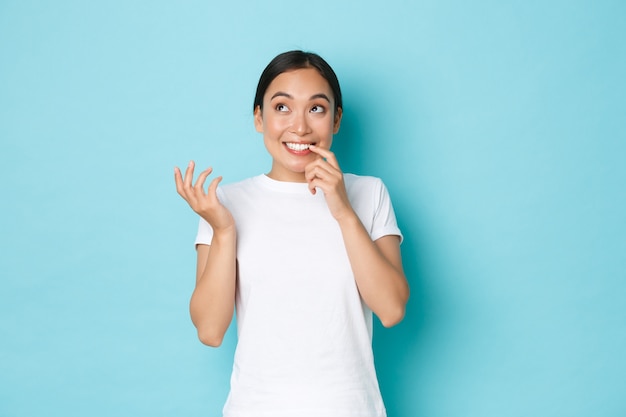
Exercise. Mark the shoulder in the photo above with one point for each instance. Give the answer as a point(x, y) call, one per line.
point(238, 187)
point(361, 179)
point(367, 190)
point(370, 200)
point(362, 184)
point(232, 192)
point(243, 184)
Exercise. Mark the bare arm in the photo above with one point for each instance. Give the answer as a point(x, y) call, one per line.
point(213, 299)
point(377, 266)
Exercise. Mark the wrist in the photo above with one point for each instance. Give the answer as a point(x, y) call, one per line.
point(348, 219)
point(225, 234)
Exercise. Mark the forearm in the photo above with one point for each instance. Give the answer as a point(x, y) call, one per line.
point(379, 275)
point(213, 299)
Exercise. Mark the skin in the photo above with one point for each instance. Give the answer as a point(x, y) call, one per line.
point(298, 108)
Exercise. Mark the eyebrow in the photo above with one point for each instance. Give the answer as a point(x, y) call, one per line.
point(289, 96)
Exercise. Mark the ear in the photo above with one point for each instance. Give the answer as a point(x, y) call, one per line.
point(337, 122)
point(258, 119)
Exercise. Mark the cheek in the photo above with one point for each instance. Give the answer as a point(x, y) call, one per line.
point(324, 127)
point(276, 124)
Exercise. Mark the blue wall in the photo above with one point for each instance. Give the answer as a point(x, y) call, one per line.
point(498, 127)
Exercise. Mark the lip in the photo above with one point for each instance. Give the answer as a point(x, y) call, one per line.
point(298, 152)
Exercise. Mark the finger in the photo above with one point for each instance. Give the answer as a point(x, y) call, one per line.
point(311, 172)
point(178, 180)
point(323, 152)
point(212, 191)
point(181, 187)
point(188, 175)
point(320, 163)
point(322, 171)
point(326, 154)
point(319, 180)
point(316, 183)
point(199, 187)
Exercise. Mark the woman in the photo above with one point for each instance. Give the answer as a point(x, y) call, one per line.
point(305, 253)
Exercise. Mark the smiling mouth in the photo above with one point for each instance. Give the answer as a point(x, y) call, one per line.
point(298, 147)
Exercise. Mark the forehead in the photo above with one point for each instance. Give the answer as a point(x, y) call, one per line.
point(299, 83)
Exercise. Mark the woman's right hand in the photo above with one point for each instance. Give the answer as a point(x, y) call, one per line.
point(207, 205)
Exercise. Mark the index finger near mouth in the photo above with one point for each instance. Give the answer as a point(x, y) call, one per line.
point(320, 151)
point(327, 154)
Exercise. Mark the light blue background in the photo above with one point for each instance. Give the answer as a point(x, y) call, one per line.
point(498, 127)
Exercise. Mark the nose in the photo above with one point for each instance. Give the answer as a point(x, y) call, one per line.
point(300, 125)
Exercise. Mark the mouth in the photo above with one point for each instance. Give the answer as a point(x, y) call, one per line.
point(298, 147)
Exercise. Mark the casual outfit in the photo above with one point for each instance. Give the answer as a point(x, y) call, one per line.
point(304, 334)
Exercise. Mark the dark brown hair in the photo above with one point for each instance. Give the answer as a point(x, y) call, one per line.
point(293, 60)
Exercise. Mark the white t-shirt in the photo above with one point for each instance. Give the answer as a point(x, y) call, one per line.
point(304, 335)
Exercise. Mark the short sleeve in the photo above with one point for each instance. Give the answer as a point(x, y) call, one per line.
point(384, 216)
point(205, 233)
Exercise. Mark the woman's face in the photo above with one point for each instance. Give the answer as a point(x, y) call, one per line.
point(298, 110)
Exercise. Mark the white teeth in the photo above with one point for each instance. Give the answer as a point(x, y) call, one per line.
point(298, 146)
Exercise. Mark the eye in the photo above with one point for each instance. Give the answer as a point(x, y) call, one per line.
point(281, 108)
point(318, 109)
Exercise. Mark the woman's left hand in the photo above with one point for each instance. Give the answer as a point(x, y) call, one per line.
point(325, 173)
